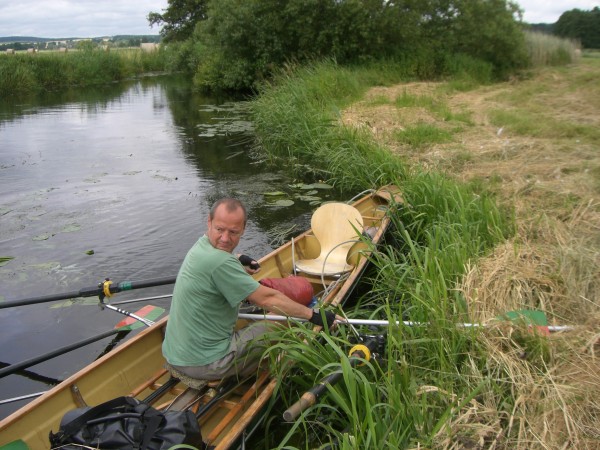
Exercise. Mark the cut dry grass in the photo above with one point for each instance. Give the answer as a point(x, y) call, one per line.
point(534, 144)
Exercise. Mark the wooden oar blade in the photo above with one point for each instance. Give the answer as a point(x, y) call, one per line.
point(533, 318)
point(148, 312)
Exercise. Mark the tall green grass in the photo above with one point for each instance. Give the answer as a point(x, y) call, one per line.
point(426, 374)
point(26, 73)
point(297, 118)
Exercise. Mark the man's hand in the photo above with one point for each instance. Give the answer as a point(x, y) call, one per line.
point(250, 264)
point(317, 318)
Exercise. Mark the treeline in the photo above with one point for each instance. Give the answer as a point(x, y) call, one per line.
point(237, 44)
point(119, 41)
point(583, 26)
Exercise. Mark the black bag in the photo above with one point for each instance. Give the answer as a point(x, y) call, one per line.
point(127, 423)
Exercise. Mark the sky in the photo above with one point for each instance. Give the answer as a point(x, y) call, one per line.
point(96, 18)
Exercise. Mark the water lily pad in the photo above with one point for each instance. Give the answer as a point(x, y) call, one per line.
point(5, 260)
point(274, 194)
point(89, 252)
point(162, 177)
point(95, 178)
point(308, 198)
point(71, 228)
point(52, 265)
point(283, 203)
point(317, 186)
point(42, 237)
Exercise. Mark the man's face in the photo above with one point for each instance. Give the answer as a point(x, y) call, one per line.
point(226, 228)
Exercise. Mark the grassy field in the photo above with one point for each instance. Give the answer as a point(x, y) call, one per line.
point(534, 144)
point(501, 187)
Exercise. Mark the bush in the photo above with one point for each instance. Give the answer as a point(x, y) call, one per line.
point(244, 42)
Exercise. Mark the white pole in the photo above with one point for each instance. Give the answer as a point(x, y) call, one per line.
point(375, 322)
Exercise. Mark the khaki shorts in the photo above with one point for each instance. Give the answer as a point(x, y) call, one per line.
point(242, 359)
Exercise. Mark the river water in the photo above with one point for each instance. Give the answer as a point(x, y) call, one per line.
point(116, 182)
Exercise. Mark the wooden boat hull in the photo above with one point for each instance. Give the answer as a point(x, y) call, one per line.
point(137, 367)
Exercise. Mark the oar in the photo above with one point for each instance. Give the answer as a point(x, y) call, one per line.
point(357, 354)
point(139, 317)
point(71, 302)
point(22, 397)
point(101, 290)
point(126, 324)
point(373, 322)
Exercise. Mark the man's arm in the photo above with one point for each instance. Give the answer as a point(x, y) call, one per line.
point(278, 303)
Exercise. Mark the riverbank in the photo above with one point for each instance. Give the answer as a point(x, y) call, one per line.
point(28, 73)
point(501, 188)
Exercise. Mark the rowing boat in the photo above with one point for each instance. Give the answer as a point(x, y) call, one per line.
point(227, 414)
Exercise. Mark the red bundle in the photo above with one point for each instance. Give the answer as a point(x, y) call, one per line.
point(298, 289)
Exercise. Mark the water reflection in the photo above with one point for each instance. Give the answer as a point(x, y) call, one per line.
point(129, 171)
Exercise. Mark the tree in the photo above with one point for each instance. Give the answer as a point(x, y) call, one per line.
point(581, 25)
point(242, 42)
point(179, 19)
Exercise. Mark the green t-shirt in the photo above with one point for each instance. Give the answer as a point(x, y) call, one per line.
point(210, 286)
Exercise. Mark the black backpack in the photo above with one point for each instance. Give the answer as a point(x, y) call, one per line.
point(127, 423)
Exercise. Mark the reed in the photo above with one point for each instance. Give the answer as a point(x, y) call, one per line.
point(28, 73)
point(548, 50)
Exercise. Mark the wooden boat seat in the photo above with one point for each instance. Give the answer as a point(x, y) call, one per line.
point(336, 226)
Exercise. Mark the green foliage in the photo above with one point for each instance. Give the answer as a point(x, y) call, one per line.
point(25, 73)
point(522, 123)
point(245, 42)
point(581, 25)
point(296, 118)
point(86, 46)
point(182, 56)
point(484, 30)
point(422, 135)
point(16, 76)
point(179, 19)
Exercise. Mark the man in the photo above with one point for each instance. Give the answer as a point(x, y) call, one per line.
point(200, 340)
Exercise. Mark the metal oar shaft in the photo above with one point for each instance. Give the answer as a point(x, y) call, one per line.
point(22, 397)
point(379, 322)
point(90, 292)
point(38, 359)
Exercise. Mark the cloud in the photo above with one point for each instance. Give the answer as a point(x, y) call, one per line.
point(91, 18)
point(544, 11)
point(87, 18)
